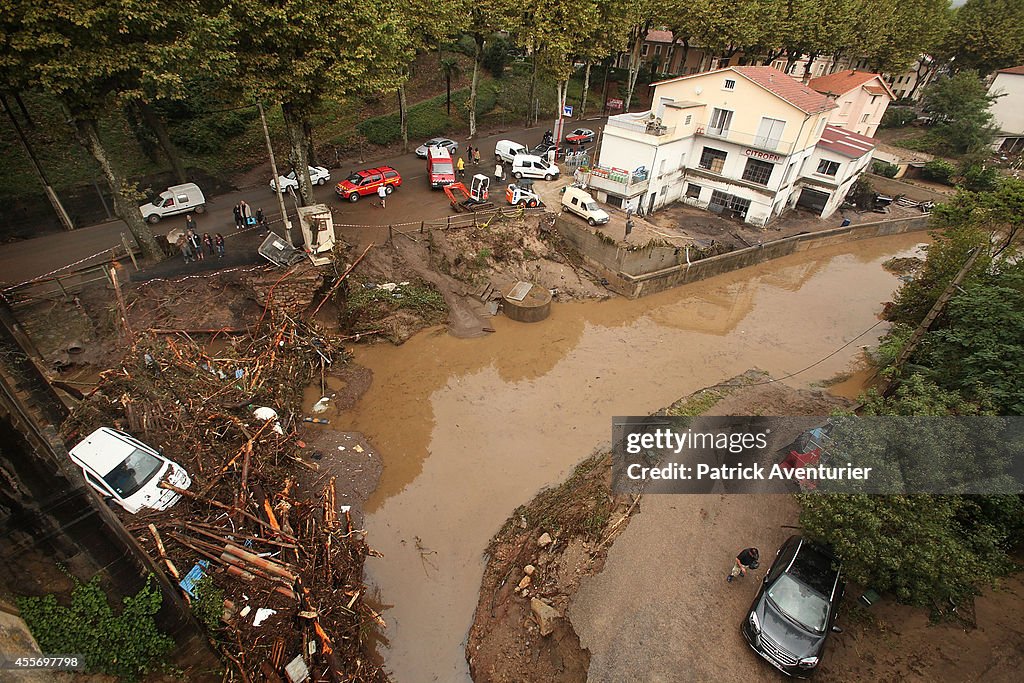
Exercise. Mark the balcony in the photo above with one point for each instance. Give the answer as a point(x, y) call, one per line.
point(766, 145)
point(618, 182)
point(641, 123)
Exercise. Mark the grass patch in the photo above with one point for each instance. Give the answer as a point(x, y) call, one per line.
point(695, 404)
point(925, 142)
point(367, 305)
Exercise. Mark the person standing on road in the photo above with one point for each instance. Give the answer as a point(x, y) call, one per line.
point(208, 242)
point(246, 213)
point(382, 192)
point(746, 559)
point(238, 216)
point(460, 166)
point(218, 241)
point(190, 222)
point(186, 248)
point(476, 156)
point(469, 152)
point(499, 171)
point(196, 242)
point(262, 221)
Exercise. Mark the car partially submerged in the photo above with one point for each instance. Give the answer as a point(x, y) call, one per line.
point(126, 471)
point(796, 607)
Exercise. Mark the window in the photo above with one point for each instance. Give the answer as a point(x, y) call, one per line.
point(826, 167)
point(730, 84)
point(719, 198)
point(390, 174)
point(693, 191)
point(844, 108)
point(657, 50)
point(689, 117)
point(874, 98)
point(821, 127)
point(864, 119)
point(644, 50)
point(769, 132)
point(169, 201)
point(713, 159)
point(720, 121)
point(758, 171)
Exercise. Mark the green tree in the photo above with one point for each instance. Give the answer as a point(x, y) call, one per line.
point(986, 35)
point(94, 54)
point(960, 106)
point(298, 53)
point(484, 19)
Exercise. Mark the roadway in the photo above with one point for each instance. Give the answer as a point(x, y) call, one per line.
point(355, 222)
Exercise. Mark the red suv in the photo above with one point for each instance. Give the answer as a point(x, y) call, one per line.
point(366, 182)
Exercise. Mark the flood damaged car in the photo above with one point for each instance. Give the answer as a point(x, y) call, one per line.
point(796, 607)
point(126, 471)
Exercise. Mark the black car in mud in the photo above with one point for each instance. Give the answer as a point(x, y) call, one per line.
point(796, 607)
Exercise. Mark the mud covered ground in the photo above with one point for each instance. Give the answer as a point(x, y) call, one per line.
point(621, 572)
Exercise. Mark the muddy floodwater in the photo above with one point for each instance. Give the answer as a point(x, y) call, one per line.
point(471, 428)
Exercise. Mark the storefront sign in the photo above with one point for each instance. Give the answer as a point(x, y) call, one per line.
point(764, 156)
point(614, 103)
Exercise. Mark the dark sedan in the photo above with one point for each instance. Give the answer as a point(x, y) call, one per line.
point(796, 608)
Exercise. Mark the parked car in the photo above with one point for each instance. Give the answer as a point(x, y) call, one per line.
point(580, 202)
point(126, 471)
point(443, 143)
point(177, 199)
point(366, 182)
point(531, 166)
point(580, 136)
point(507, 150)
point(318, 175)
point(796, 607)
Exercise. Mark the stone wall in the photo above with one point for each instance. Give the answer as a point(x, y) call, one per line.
point(607, 260)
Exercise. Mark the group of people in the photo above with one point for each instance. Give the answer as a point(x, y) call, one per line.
point(195, 248)
point(473, 154)
point(244, 217)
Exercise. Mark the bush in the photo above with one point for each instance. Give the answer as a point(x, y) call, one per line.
point(884, 169)
point(898, 117)
point(497, 56)
point(978, 177)
point(939, 170)
point(126, 645)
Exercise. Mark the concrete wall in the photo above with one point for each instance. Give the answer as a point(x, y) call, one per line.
point(893, 187)
point(605, 259)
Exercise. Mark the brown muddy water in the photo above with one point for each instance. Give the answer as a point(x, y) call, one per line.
point(469, 429)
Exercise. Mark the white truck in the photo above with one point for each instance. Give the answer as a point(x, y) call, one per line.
point(177, 199)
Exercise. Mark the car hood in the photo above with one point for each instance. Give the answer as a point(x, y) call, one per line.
point(346, 185)
point(784, 633)
point(422, 150)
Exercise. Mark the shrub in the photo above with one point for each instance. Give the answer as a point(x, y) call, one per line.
point(898, 117)
point(884, 169)
point(126, 645)
point(978, 177)
point(497, 57)
point(939, 170)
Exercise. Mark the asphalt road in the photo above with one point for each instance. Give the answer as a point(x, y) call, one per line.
point(355, 222)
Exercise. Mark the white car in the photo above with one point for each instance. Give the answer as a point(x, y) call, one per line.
point(123, 469)
point(443, 143)
point(318, 175)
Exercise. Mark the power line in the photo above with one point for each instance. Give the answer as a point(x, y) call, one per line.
point(820, 361)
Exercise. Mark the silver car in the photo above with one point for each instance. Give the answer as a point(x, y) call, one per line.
point(445, 143)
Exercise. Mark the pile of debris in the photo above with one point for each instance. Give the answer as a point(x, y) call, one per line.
point(258, 520)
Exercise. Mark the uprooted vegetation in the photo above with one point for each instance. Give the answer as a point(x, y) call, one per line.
point(258, 511)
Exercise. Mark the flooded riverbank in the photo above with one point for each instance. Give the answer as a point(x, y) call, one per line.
point(470, 429)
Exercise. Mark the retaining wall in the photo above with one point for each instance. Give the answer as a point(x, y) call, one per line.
point(607, 260)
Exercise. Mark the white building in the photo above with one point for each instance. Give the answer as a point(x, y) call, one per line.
point(740, 140)
point(1008, 110)
point(838, 160)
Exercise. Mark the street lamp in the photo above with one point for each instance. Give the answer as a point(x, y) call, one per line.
point(277, 177)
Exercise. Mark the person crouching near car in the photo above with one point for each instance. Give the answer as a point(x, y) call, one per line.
point(746, 559)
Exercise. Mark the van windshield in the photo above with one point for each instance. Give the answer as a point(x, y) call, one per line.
point(444, 167)
point(132, 474)
point(591, 206)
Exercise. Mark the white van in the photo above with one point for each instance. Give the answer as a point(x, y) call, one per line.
point(582, 204)
point(507, 151)
point(123, 469)
point(531, 166)
point(176, 199)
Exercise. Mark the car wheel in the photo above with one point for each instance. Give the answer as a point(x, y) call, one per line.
point(518, 175)
point(201, 208)
point(320, 181)
point(548, 177)
point(153, 219)
point(532, 204)
point(388, 189)
point(592, 222)
point(354, 197)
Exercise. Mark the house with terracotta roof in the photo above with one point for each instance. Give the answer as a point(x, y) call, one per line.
point(839, 158)
point(861, 99)
point(735, 141)
point(1008, 110)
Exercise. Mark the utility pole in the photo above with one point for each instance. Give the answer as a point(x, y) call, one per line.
point(58, 208)
point(277, 177)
